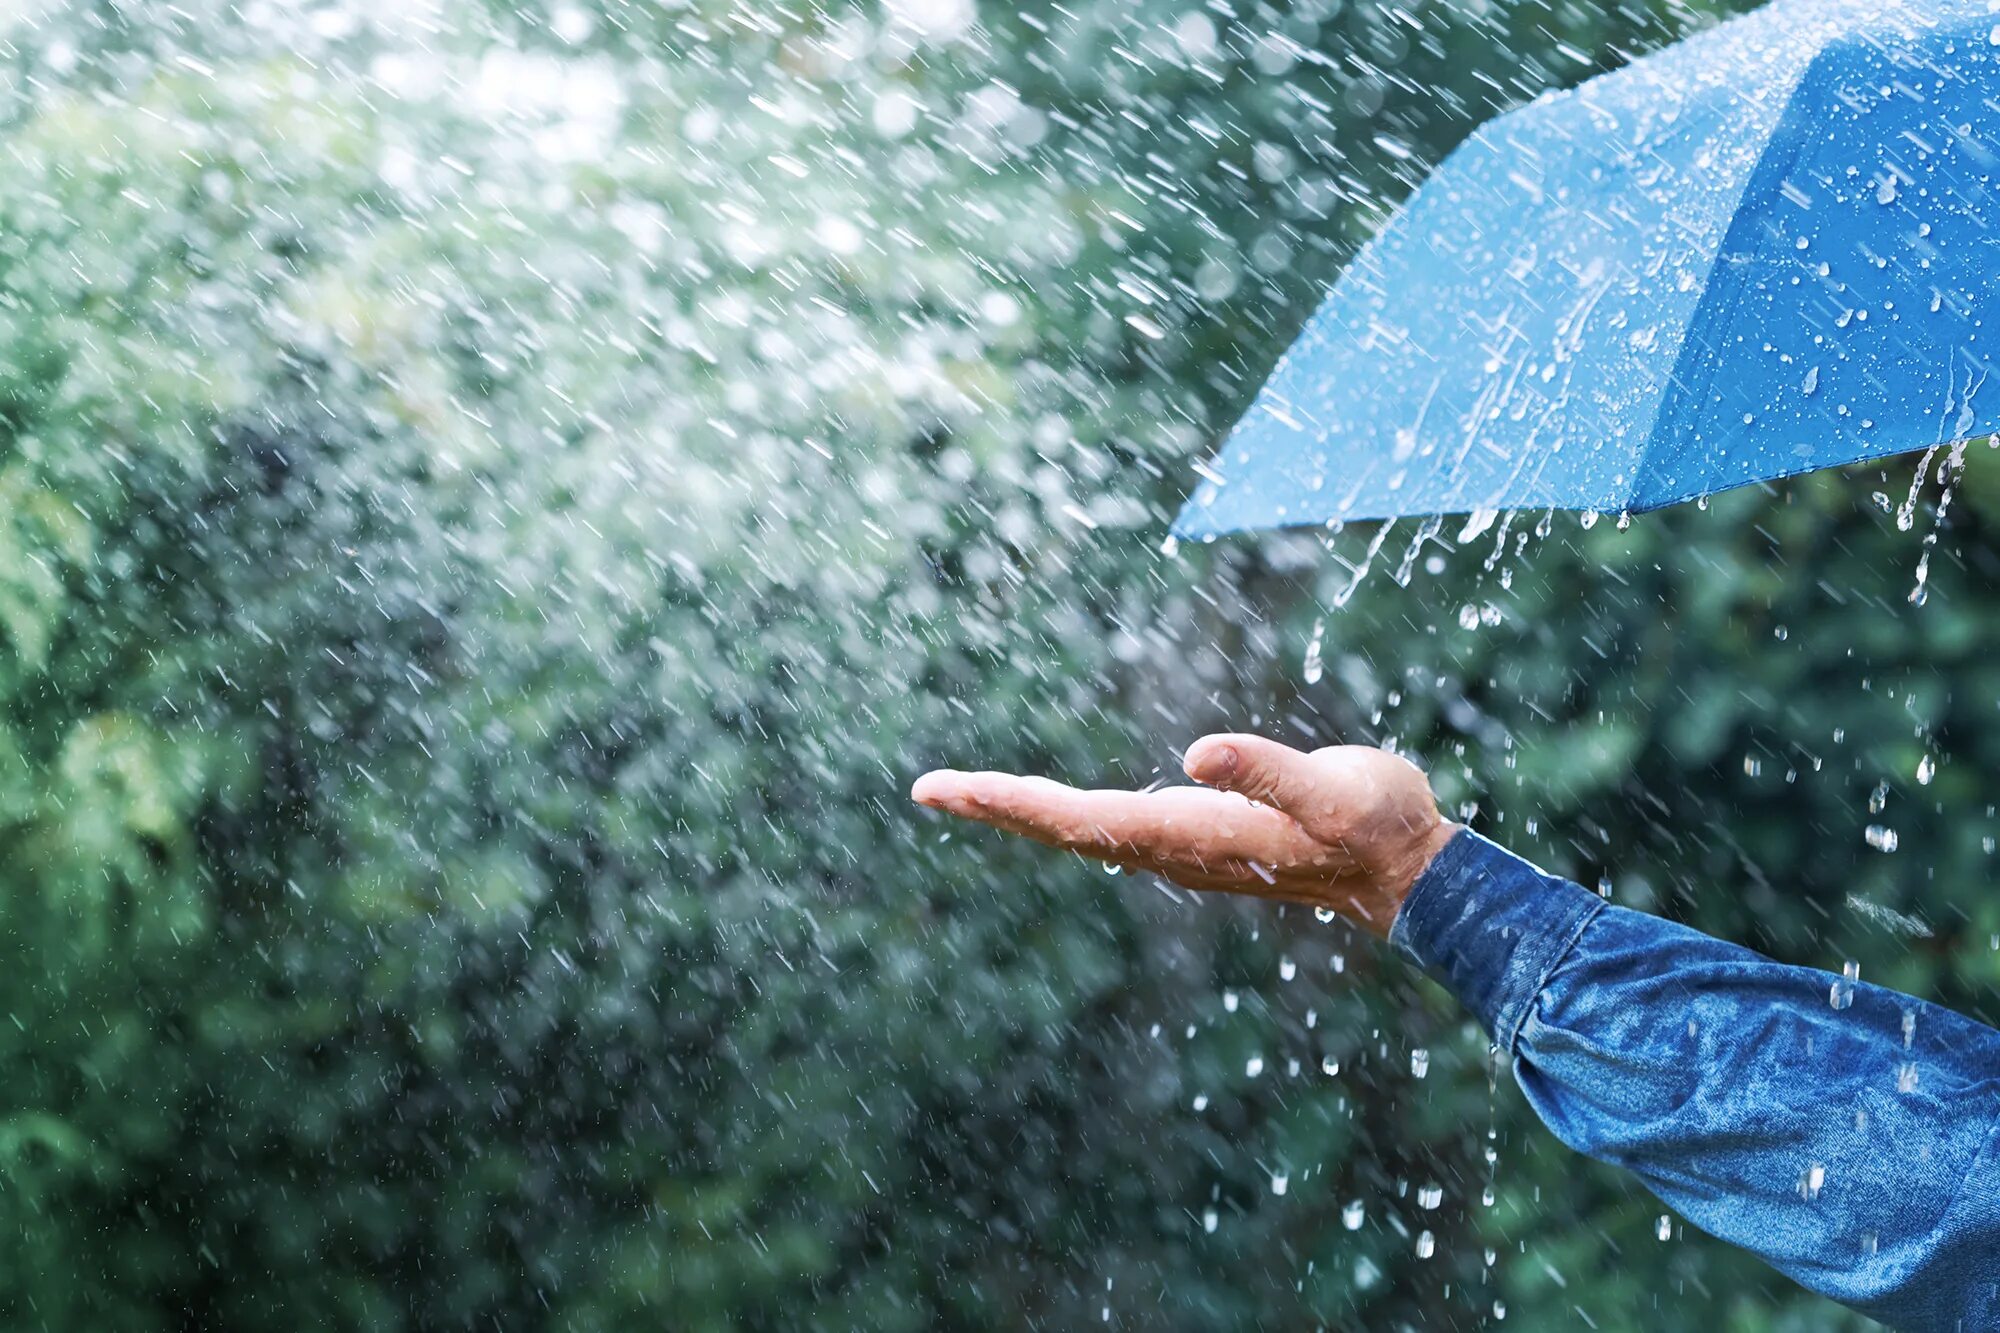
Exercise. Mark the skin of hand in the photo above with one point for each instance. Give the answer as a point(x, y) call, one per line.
point(1348, 828)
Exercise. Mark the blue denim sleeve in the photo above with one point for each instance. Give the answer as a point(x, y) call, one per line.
point(1848, 1134)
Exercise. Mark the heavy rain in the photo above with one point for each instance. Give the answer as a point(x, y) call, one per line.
point(501, 501)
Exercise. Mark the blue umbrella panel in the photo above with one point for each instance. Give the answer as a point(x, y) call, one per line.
point(1767, 250)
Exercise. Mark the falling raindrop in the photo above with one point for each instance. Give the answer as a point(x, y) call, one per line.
point(1314, 668)
point(1420, 1062)
point(1842, 994)
point(1353, 1215)
point(1664, 1228)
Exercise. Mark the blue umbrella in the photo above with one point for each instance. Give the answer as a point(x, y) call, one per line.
point(1766, 250)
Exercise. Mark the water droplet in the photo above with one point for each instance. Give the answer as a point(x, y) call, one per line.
point(1329, 1066)
point(1313, 667)
point(1926, 770)
point(1353, 1215)
point(1664, 1228)
point(1881, 837)
point(1426, 1245)
point(1229, 1001)
point(1208, 1220)
point(1287, 969)
point(1476, 523)
point(1420, 1062)
point(1253, 1067)
point(1430, 1196)
point(1280, 1182)
point(1811, 385)
point(1878, 799)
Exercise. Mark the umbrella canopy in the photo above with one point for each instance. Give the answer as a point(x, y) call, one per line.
point(1766, 250)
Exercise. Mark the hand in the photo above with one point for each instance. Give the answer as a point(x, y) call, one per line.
point(1348, 828)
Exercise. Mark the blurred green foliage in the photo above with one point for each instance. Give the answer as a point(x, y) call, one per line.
point(496, 504)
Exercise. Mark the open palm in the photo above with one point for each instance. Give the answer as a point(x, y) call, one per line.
point(1348, 828)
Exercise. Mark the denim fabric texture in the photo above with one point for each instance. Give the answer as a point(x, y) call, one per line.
point(1848, 1134)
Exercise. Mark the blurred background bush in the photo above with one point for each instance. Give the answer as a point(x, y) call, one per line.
point(499, 502)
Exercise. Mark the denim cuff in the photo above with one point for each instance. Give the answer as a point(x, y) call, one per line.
point(1492, 928)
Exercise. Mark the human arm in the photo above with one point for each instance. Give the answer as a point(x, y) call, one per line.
point(1843, 1132)
point(1854, 1154)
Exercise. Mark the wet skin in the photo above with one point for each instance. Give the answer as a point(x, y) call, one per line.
point(1347, 828)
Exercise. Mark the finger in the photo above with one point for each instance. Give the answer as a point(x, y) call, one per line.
point(1264, 770)
point(1181, 826)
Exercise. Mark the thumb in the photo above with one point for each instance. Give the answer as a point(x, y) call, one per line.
point(1264, 770)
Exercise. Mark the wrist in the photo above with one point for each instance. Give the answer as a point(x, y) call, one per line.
point(1406, 869)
